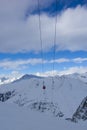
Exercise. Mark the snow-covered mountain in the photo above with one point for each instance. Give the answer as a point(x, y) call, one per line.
point(82, 77)
point(3, 80)
point(6, 80)
point(26, 77)
point(61, 96)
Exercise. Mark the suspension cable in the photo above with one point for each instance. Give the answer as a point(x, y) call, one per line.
point(40, 31)
point(55, 36)
point(54, 52)
point(54, 46)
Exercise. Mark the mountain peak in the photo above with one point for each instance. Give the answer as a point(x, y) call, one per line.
point(29, 76)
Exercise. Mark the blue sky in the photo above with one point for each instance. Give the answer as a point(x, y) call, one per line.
point(20, 50)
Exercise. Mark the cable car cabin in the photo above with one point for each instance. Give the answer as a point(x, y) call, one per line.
point(44, 87)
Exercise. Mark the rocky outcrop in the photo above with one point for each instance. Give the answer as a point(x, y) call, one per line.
point(5, 96)
point(47, 106)
point(81, 112)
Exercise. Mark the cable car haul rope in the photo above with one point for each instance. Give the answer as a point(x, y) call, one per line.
point(41, 43)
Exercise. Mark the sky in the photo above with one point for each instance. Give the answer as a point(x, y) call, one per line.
point(20, 46)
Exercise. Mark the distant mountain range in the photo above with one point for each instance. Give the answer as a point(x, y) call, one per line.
point(5, 80)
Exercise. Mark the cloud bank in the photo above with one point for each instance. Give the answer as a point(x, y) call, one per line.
point(71, 70)
point(20, 64)
point(19, 33)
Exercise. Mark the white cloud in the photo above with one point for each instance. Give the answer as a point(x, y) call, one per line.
point(11, 76)
point(79, 60)
point(20, 63)
point(74, 60)
point(47, 73)
point(60, 60)
point(18, 34)
point(24, 63)
point(70, 70)
point(72, 29)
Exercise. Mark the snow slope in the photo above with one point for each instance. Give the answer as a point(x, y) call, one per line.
point(67, 93)
point(82, 77)
point(13, 117)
